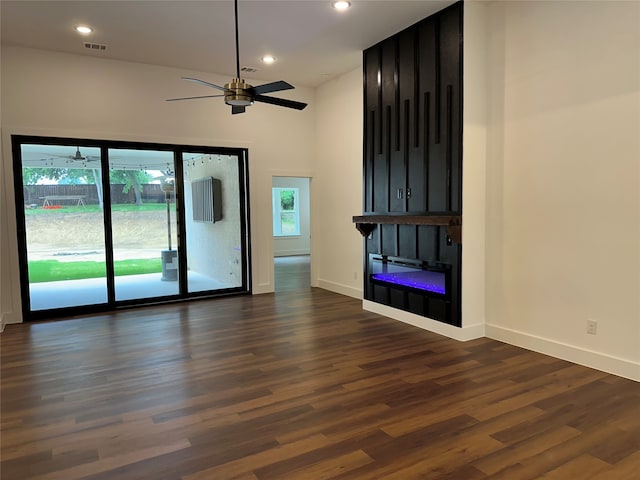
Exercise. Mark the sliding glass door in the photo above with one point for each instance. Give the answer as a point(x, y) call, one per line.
point(108, 224)
point(64, 249)
point(213, 221)
point(144, 226)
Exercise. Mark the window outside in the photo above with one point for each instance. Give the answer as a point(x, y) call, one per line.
point(286, 213)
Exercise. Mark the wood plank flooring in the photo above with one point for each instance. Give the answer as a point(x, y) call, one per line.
point(292, 273)
point(299, 385)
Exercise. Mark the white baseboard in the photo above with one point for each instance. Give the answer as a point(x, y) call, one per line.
point(262, 288)
point(588, 358)
point(462, 334)
point(340, 288)
point(8, 319)
point(290, 253)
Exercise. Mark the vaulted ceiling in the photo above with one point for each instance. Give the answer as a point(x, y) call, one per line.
point(311, 41)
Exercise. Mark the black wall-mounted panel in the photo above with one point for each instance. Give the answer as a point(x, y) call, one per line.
point(413, 151)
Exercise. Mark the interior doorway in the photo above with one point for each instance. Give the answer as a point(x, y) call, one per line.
point(291, 200)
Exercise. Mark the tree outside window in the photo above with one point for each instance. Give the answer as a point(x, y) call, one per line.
point(286, 212)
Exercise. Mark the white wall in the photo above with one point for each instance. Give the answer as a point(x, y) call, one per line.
point(53, 94)
point(563, 180)
point(474, 150)
point(337, 186)
point(5, 290)
point(299, 244)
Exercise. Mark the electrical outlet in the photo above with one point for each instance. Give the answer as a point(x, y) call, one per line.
point(592, 327)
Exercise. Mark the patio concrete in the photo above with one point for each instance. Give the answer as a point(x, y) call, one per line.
point(92, 291)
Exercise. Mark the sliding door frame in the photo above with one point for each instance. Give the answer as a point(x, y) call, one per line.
point(105, 145)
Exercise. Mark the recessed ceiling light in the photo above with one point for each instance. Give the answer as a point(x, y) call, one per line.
point(340, 4)
point(84, 29)
point(268, 59)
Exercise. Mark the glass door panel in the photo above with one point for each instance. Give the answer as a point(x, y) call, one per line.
point(143, 223)
point(213, 221)
point(64, 226)
point(159, 230)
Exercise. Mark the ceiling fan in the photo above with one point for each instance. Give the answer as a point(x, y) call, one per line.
point(239, 94)
point(77, 157)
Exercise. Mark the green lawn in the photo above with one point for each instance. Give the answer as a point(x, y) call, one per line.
point(54, 270)
point(124, 207)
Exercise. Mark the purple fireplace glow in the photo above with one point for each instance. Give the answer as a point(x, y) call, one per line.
point(408, 273)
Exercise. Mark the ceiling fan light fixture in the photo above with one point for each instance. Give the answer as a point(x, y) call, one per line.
point(83, 29)
point(240, 94)
point(237, 94)
point(341, 4)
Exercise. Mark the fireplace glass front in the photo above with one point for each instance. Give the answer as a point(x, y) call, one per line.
point(415, 275)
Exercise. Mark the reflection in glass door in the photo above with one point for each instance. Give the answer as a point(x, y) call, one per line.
point(214, 221)
point(64, 226)
point(143, 223)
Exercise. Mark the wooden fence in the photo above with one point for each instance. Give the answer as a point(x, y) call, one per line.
point(34, 194)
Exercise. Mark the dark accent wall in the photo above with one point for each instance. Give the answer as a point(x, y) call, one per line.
point(413, 151)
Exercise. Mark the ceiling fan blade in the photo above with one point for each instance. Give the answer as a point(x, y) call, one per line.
point(237, 109)
point(192, 98)
point(272, 87)
point(281, 102)
point(202, 82)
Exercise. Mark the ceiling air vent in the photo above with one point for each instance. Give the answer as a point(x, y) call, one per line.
point(248, 69)
point(95, 46)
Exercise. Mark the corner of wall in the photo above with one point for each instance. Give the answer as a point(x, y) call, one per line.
point(9, 295)
point(340, 288)
point(463, 334)
point(474, 150)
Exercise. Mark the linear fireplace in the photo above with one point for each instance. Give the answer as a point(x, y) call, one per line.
point(414, 285)
point(408, 273)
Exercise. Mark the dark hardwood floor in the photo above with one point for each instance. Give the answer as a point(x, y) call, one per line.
point(292, 273)
point(299, 385)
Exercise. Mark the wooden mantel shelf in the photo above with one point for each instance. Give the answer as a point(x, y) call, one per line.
point(366, 224)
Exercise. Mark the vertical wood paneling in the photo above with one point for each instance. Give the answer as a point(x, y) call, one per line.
point(378, 80)
point(416, 87)
point(451, 48)
point(388, 240)
point(370, 150)
point(380, 182)
point(427, 74)
point(448, 143)
point(391, 140)
point(407, 246)
point(394, 175)
point(413, 97)
point(425, 146)
point(437, 76)
point(406, 150)
point(397, 87)
point(371, 62)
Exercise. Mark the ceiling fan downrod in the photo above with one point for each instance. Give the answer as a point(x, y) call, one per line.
point(237, 90)
point(235, 3)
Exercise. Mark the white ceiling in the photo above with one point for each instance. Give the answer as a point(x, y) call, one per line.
point(311, 41)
